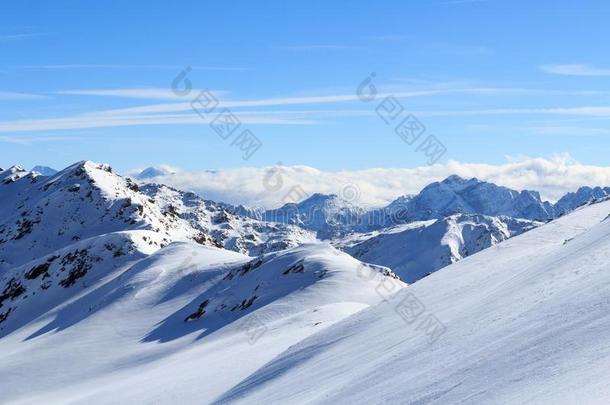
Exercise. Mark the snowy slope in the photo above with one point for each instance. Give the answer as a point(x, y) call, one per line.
point(418, 249)
point(525, 321)
point(185, 324)
point(30, 290)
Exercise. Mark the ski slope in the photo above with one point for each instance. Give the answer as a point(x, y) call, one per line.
point(527, 321)
point(139, 336)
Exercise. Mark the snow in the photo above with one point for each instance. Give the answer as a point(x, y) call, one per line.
point(457, 195)
point(233, 232)
point(116, 292)
point(526, 322)
point(44, 170)
point(152, 172)
point(418, 249)
point(583, 195)
point(126, 338)
point(331, 216)
point(44, 214)
point(328, 215)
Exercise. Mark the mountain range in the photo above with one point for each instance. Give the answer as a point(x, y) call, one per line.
point(114, 288)
point(331, 216)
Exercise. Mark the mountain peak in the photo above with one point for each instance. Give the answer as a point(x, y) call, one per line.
point(88, 166)
point(454, 178)
point(458, 195)
point(152, 172)
point(44, 170)
point(319, 198)
point(16, 169)
point(455, 181)
point(583, 195)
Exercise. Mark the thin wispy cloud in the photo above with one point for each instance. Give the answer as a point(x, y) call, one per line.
point(575, 70)
point(549, 128)
point(599, 111)
point(568, 131)
point(70, 66)
point(304, 100)
point(389, 38)
point(108, 121)
point(150, 93)
point(8, 95)
point(316, 47)
point(458, 49)
point(17, 37)
point(27, 140)
point(449, 2)
point(153, 93)
point(182, 113)
point(307, 117)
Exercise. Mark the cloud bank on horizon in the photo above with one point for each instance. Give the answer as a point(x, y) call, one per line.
point(266, 187)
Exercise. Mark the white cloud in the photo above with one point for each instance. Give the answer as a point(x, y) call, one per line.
point(315, 47)
point(462, 1)
point(153, 114)
point(71, 66)
point(165, 113)
point(594, 111)
point(400, 94)
point(150, 93)
point(575, 70)
point(15, 37)
point(553, 177)
point(568, 131)
point(390, 38)
point(8, 95)
point(27, 140)
point(107, 121)
point(267, 102)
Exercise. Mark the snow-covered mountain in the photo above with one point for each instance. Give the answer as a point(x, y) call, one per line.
point(46, 213)
point(228, 230)
point(152, 172)
point(110, 289)
point(44, 170)
point(328, 215)
point(457, 195)
point(43, 214)
point(583, 195)
point(415, 250)
point(524, 321)
point(331, 216)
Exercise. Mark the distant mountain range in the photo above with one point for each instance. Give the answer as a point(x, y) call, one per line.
point(330, 216)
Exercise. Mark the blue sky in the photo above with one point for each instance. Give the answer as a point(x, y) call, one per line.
point(488, 78)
